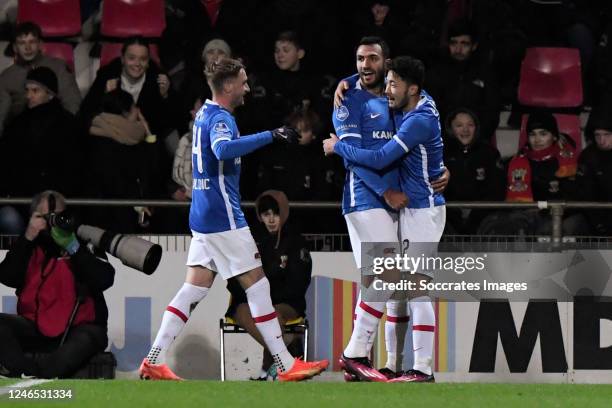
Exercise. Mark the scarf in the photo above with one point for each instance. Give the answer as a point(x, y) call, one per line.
point(118, 128)
point(520, 174)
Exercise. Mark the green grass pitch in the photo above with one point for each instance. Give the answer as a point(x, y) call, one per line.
point(140, 394)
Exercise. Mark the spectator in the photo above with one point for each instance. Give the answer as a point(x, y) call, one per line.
point(136, 74)
point(380, 18)
point(544, 170)
point(284, 90)
point(123, 159)
point(595, 168)
point(287, 265)
point(462, 80)
point(299, 170)
point(27, 46)
point(194, 87)
point(476, 168)
point(74, 279)
point(41, 149)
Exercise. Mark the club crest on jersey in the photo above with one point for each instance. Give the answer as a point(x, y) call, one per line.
point(342, 113)
point(221, 127)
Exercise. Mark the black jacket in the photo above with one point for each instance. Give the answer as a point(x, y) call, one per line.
point(468, 84)
point(93, 273)
point(594, 184)
point(477, 174)
point(40, 151)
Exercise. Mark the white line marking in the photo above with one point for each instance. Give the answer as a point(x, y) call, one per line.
point(23, 384)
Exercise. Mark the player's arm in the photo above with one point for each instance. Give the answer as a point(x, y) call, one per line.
point(410, 135)
point(369, 176)
point(226, 148)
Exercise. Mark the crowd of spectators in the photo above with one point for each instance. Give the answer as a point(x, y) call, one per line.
point(130, 136)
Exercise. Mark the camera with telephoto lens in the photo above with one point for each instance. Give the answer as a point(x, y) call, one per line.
point(132, 251)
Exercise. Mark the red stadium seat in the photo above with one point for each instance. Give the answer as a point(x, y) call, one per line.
point(125, 18)
point(62, 51)
point(110, 51)
point(551, 78)
point(56, 18)
point(568, 124)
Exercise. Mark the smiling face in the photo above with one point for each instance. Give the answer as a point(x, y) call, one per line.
point(464, 128)
point(135, 61)
point(398, 91)
point(370, 65)
point(237, 87)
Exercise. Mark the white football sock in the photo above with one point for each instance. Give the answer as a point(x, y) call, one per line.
point(395, 333)
point(176, 315)
point(366, 323)
point(264, 315)
point(423, 326)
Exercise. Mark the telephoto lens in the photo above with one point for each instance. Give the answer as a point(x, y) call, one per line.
point(134, 252)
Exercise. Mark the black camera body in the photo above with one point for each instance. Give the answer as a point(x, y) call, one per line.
point(64, 220)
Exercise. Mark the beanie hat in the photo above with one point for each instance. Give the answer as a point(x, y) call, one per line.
point(218, 44)
point(543, 121)
point(44, 77)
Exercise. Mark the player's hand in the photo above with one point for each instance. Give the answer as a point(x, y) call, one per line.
point(286, 134)
point(328, 144)
point(439, 185)
point(164, 85)
point(396, 199)
point(342, 87)
point(37, 223)
point(111, 85)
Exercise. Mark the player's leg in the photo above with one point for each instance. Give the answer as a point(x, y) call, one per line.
point(197, 283)
point(396, 327)
point(423, 229)
point(236, 255)
point(375, 225)
point(257, 288)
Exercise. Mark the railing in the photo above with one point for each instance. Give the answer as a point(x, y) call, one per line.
point(556, 208)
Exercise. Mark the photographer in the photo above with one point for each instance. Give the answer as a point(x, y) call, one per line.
point(62, 314)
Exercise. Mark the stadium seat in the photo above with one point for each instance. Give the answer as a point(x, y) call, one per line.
point(229, 325)
point(551, 78)
point(62, 51)
point(125, 18)
point(568, 124)
point(56, 18)
point(110, 51)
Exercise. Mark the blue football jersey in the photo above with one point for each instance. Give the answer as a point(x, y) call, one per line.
point(364, 121)
point(215, 205)
point(421, 137)
point(418, 143)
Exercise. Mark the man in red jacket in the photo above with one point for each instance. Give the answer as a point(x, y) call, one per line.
point(55, 276)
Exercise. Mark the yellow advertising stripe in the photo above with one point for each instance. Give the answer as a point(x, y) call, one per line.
point(347, 311)
point(442, 335)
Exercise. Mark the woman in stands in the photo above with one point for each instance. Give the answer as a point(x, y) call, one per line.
point(476, 168)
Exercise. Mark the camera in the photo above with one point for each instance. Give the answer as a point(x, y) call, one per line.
point(132, 251)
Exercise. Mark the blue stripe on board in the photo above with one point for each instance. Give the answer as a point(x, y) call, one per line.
point(9, 304)
point(324, 312)
point(311, 301)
